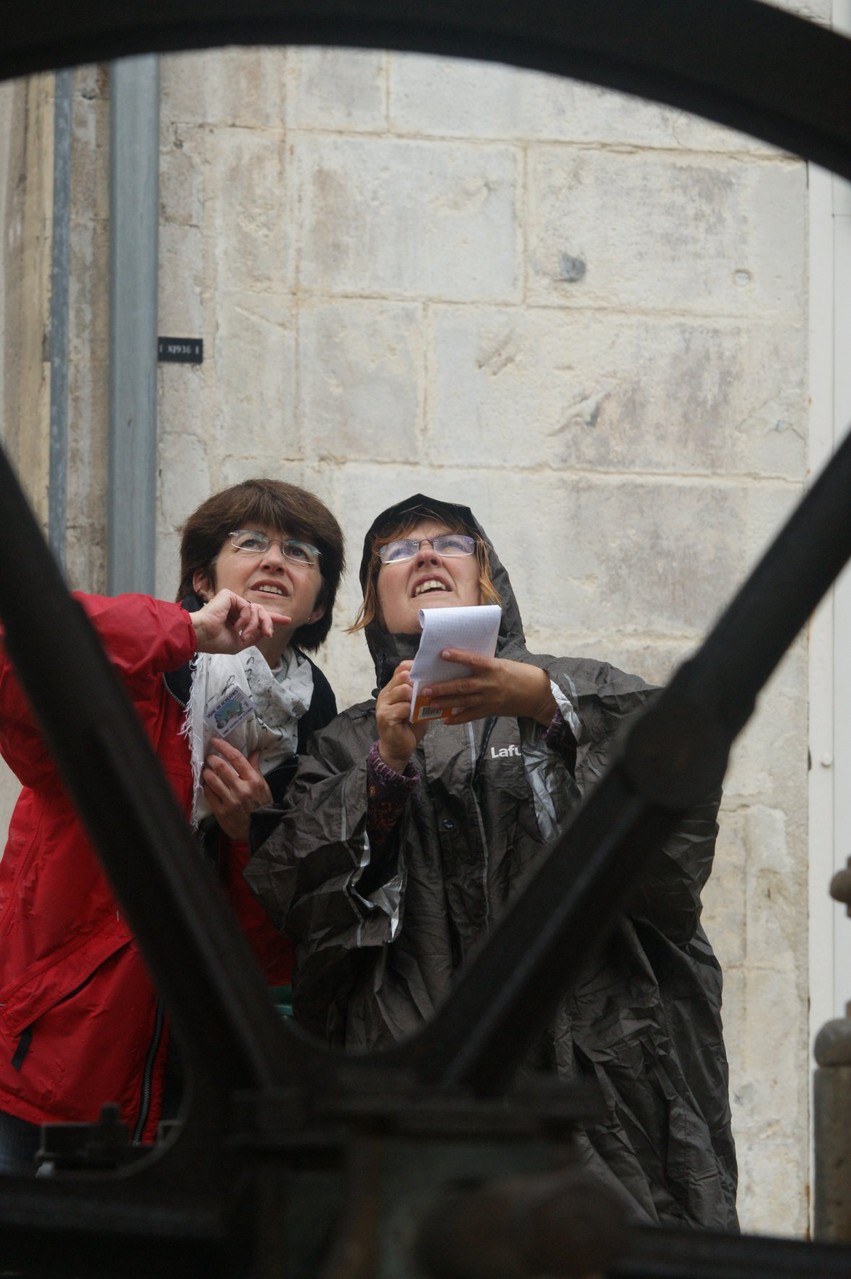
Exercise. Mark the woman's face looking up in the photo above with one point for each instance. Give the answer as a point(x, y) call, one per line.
point(431, 578)
point(266, 566)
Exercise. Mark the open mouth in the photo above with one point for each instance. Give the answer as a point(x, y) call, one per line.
point(431, 584)
point(269, 590)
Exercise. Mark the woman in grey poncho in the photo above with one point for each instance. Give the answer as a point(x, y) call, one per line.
point(399, 845)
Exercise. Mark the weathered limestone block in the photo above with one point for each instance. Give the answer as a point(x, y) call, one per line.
point(245, 218)
point(337, 89)
point(690, 234)
point(254, 413)
point(769, 761)
point(90, 145)
point(182, 296)
point(408, 218)
point(362, 381)
point(442, 97)
point(627, 555)
point(26, 190)
point(88, 333)
point(228, 87)
point(616, 393)
point(776, 883)
point(772, 1188)
point(770, 1099)
point(185, 478)
point(725, 898)
point(182, 174)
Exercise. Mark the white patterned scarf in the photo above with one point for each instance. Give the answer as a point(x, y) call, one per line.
point(239, 698)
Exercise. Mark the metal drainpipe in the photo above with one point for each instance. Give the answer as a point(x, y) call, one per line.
point(57, 491)
point(134, 217)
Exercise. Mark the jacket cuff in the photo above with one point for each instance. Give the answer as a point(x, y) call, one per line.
point(385, 779)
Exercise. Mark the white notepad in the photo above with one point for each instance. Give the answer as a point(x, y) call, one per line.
point(474, 628)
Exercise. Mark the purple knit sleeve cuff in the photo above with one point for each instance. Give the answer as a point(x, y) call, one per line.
point(385, 779)
point(558, 734)
point(387, 794)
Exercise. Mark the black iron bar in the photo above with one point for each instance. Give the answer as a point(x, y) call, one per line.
point(748, 65)
point(655, 1253)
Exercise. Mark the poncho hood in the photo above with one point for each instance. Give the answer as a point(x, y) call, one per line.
point(389, 650)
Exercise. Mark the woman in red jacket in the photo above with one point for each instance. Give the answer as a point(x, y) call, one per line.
point(227, 697)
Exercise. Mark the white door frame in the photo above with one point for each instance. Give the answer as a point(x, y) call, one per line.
point(830, 628)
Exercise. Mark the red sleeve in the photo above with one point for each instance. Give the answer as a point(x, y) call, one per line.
point(143, 637)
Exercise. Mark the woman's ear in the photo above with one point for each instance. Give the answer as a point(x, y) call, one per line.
point(202, 586)
point(318, 606)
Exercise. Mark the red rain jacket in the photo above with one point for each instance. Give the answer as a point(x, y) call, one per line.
point(80, 1022)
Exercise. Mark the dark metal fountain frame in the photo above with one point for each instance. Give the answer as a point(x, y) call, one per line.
point(270, 1109)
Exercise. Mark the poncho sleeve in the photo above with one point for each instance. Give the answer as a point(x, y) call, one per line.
point(311, 871)
point(668, 889)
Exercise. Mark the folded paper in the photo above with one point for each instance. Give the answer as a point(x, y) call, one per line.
point(474, 629)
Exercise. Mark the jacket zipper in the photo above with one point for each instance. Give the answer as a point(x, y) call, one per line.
point(148, 1075)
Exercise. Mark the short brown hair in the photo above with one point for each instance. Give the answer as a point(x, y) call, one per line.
point(272, 504)
point(369, 611)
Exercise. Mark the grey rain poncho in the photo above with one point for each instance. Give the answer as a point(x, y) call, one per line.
point(377, 945)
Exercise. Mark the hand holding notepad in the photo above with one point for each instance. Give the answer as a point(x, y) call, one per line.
point(474, 629)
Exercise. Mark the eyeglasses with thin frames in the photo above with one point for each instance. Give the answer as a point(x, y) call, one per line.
point(405, 548)
point(253, 542)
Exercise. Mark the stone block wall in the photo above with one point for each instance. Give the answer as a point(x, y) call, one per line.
point(583, 315)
